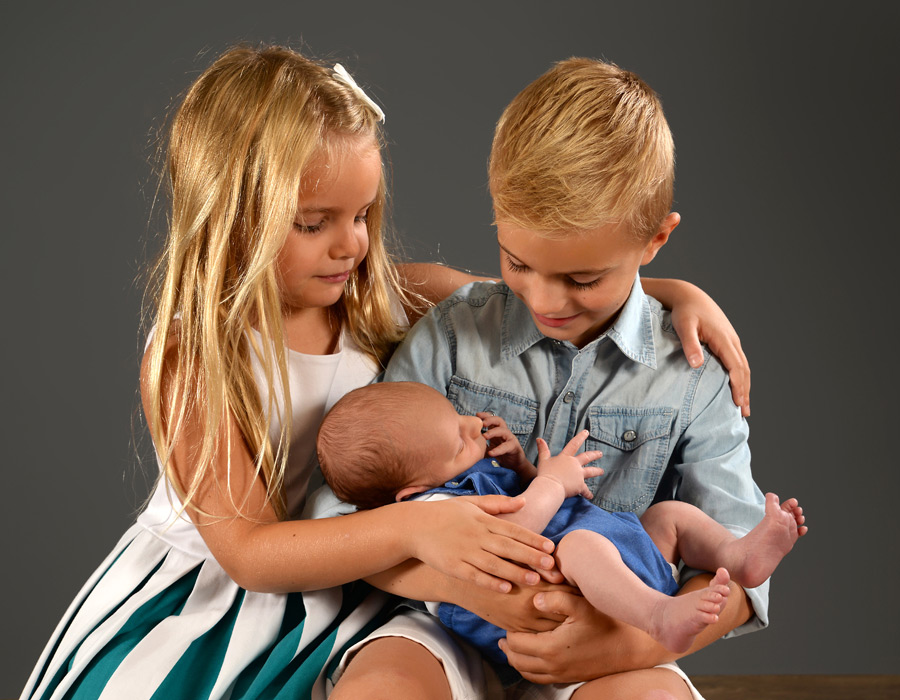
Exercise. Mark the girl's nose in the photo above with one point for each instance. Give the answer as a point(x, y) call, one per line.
point(346, 243)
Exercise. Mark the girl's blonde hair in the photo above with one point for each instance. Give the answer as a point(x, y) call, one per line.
point(238, 147)
point(583, 146)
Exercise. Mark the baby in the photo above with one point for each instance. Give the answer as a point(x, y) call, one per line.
point(388, 442)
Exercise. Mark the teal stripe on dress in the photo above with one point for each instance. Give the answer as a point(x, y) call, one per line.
point(63, 668)
point(262, 679)
point(289, 673)
point(101, 668)
point(195, 673)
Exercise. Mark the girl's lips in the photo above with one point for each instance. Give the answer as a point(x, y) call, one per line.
point(335, 279)
point(555, 322)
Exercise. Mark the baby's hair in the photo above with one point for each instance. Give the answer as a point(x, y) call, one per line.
point(583, 146)
point(239, 144)
point(364, 448)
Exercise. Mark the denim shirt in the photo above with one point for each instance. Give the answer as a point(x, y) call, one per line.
point(666, 430)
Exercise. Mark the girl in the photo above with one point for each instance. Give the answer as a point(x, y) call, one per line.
point(274, 297)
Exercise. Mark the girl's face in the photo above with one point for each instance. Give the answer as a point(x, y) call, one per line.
point(329, 238)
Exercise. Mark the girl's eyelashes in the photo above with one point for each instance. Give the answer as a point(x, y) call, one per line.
point(308, 228)
point(303, 227)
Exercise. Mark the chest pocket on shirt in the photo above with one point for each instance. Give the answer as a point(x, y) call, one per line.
point(635, 446)
point(519, 412)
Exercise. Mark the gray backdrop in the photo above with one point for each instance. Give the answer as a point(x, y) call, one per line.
point(785, 118)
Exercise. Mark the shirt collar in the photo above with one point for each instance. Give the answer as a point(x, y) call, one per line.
point(632, 331)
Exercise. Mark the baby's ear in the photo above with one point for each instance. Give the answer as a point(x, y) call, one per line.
point(403, 494)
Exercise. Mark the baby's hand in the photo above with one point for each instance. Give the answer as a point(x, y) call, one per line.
point(567, 468)
point(504, 446)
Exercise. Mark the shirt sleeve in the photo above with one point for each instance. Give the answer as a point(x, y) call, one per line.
point(425, 355)
point(712, 463)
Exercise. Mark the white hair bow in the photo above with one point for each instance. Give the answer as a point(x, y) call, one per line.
point(341, 73)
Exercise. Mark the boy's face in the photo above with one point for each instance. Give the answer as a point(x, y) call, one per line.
point(575, 287)
point(453, 442)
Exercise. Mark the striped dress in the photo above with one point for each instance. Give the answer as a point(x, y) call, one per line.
point(161, 619)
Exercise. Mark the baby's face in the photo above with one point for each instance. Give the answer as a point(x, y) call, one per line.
point(454, 442)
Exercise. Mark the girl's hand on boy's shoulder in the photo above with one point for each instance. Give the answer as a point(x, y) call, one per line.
point(698, 319)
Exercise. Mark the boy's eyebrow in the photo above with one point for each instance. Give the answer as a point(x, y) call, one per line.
point(599, 271)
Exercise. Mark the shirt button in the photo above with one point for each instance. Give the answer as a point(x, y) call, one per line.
point(495, 463)
point(569, 397)
point(629, 436)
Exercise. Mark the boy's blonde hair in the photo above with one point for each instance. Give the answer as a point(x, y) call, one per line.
point(239, 144)
point(583, 146)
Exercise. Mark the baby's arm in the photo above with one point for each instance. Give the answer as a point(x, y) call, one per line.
point(558, 478)
point(505, 447)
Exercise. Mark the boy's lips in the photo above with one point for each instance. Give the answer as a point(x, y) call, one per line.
point(554, 322)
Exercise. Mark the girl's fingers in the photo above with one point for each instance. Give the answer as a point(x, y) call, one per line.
point(590, 472)
point(690, 344)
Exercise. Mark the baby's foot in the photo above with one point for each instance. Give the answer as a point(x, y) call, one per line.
point(677, 620)
point(754, 557)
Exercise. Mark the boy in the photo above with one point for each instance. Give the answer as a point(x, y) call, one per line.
point(623, 566)
point(581, 174)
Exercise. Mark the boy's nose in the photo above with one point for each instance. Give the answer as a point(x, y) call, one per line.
point(543, 298)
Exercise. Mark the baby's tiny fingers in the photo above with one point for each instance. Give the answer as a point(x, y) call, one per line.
point(572, 446)
point(589, 456)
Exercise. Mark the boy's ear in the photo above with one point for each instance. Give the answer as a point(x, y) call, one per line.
point(661, 237)
point(410, 491)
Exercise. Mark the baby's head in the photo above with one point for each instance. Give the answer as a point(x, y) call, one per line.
point(384, 442)
point(583, 146)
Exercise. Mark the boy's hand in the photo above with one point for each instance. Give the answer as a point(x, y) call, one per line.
point(504, 446)
point(567, 468)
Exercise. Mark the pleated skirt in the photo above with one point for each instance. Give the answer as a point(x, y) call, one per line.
point(156, 622)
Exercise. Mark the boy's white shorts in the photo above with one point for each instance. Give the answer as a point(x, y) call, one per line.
point(470, 677)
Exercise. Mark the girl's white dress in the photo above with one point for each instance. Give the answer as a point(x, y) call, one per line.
point(161, 619)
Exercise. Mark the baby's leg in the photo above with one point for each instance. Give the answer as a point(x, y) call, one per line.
point(391, 668)
point(593, 564)
point(684, 532)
